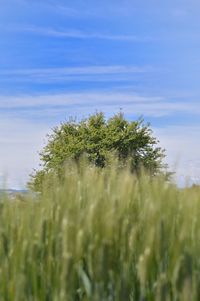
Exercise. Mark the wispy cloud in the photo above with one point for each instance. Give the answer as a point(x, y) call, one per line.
point(75, 34)
point(87, 73)
point(104, 10)
point(84, 98)
point(69, 11)
point(88, 102)
point(91, 70)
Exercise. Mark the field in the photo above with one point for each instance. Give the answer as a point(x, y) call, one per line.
point(101, 235)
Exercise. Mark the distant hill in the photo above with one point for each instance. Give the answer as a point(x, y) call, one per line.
point(12, 193)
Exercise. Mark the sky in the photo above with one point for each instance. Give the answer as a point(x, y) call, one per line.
point(61, 59)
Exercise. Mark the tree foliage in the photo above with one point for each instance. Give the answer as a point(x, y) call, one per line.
point(98, 139)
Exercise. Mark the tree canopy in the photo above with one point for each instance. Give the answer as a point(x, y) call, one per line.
point(98, 138)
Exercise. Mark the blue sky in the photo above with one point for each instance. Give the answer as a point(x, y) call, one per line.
point(70, 58)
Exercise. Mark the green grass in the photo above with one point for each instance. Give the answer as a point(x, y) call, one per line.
point(101, 236)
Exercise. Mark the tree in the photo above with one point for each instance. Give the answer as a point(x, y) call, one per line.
point(98, 138)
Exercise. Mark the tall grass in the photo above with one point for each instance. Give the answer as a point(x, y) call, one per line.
point(101, 235)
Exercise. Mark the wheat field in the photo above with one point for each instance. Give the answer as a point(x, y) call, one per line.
point(101, 235)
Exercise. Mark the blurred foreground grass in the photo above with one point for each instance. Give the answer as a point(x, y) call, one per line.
point(102, 235)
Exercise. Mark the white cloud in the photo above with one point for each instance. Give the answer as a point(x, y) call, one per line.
point(87, 70)
point(20, 142)
point(87, 73)
point(76, 34)
point(85, 99)
point(182, 149)
point(86, 102)
point(69, 11)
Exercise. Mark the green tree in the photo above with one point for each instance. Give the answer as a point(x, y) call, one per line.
point(97, 139)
